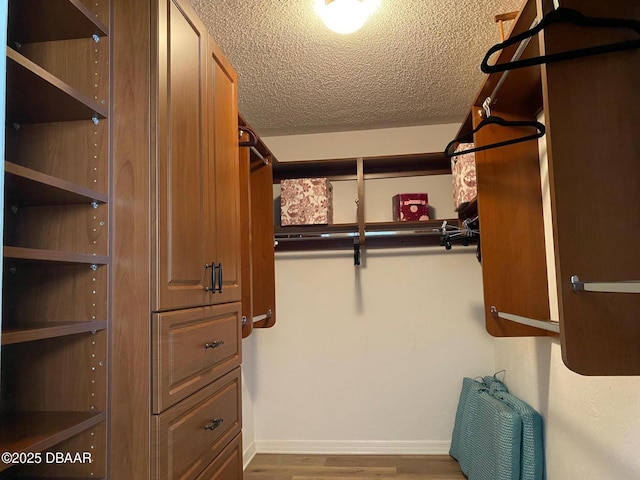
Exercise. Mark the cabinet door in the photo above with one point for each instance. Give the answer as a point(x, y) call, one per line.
point(226, 175)
point(184, 244)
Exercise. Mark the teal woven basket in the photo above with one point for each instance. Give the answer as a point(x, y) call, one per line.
point(465, 423)
point(532, 451)
point(496, 441)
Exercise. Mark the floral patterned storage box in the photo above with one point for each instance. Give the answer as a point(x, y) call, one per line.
point(463, 168)
point(306, 201)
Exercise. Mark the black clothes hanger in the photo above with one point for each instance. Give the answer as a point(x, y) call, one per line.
point(494, 120)
point(564, 15)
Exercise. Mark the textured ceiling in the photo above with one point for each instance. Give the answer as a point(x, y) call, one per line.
point(415, 62)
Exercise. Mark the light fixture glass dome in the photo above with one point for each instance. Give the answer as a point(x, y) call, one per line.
point(345, 16)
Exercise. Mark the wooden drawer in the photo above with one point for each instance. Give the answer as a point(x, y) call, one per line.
point(191, 348)
point(188, 436)
point(227, 465)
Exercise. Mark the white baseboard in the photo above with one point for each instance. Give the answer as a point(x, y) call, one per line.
point(354, 447)
point(248, 454)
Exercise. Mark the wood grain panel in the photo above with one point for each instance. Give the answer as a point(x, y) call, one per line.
point(262, 247)
point(130, 423)
point(65, 374)
point(511, 230)
point(74, 151)
point(81, 63)
point(70, 228)
point(591, 110)
point(35, 293)
point(245, 240)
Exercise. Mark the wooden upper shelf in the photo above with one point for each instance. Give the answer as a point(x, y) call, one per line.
point(49, 20)
point(27, 187)
point(381, 166)
point(38, 97)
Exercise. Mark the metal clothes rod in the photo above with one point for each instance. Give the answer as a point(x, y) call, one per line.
point(264, 316)
point(516, 56)
point(543, 324)
point(261, 157)
point(632, 286)
point(385, 233)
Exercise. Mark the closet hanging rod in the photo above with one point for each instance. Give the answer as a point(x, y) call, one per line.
point(261, 157)
point(383, 233)
point(548, 325)
point(264, 316)
point(516, 56)
point(632, 286)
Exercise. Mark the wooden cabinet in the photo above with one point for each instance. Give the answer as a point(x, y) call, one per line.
point(197, 179)
point(588, 105)
point(176, 282)
point(56, 247)
point(257, 240)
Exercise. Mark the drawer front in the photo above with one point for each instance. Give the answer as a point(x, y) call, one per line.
point(191, 434)
point(227, 465)
point(191, 348)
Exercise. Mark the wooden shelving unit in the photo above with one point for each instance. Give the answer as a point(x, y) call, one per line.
point(56, 248)
point(374, 234)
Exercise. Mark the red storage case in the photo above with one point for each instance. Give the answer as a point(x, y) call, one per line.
point(410, 207)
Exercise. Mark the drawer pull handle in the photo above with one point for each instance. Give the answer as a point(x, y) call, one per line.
point(216, 423)
point(214, 344)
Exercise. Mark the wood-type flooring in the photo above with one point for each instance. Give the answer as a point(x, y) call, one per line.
point(356, 467)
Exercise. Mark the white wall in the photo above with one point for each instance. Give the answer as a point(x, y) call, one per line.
point(369, 358)
point(591, 423)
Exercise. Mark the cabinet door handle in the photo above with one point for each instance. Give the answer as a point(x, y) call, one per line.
point(212, 266)
point(214, 344)
point(220, 278)
point(215, 424)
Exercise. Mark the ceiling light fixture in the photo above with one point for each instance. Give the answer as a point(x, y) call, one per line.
point(345, 16)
